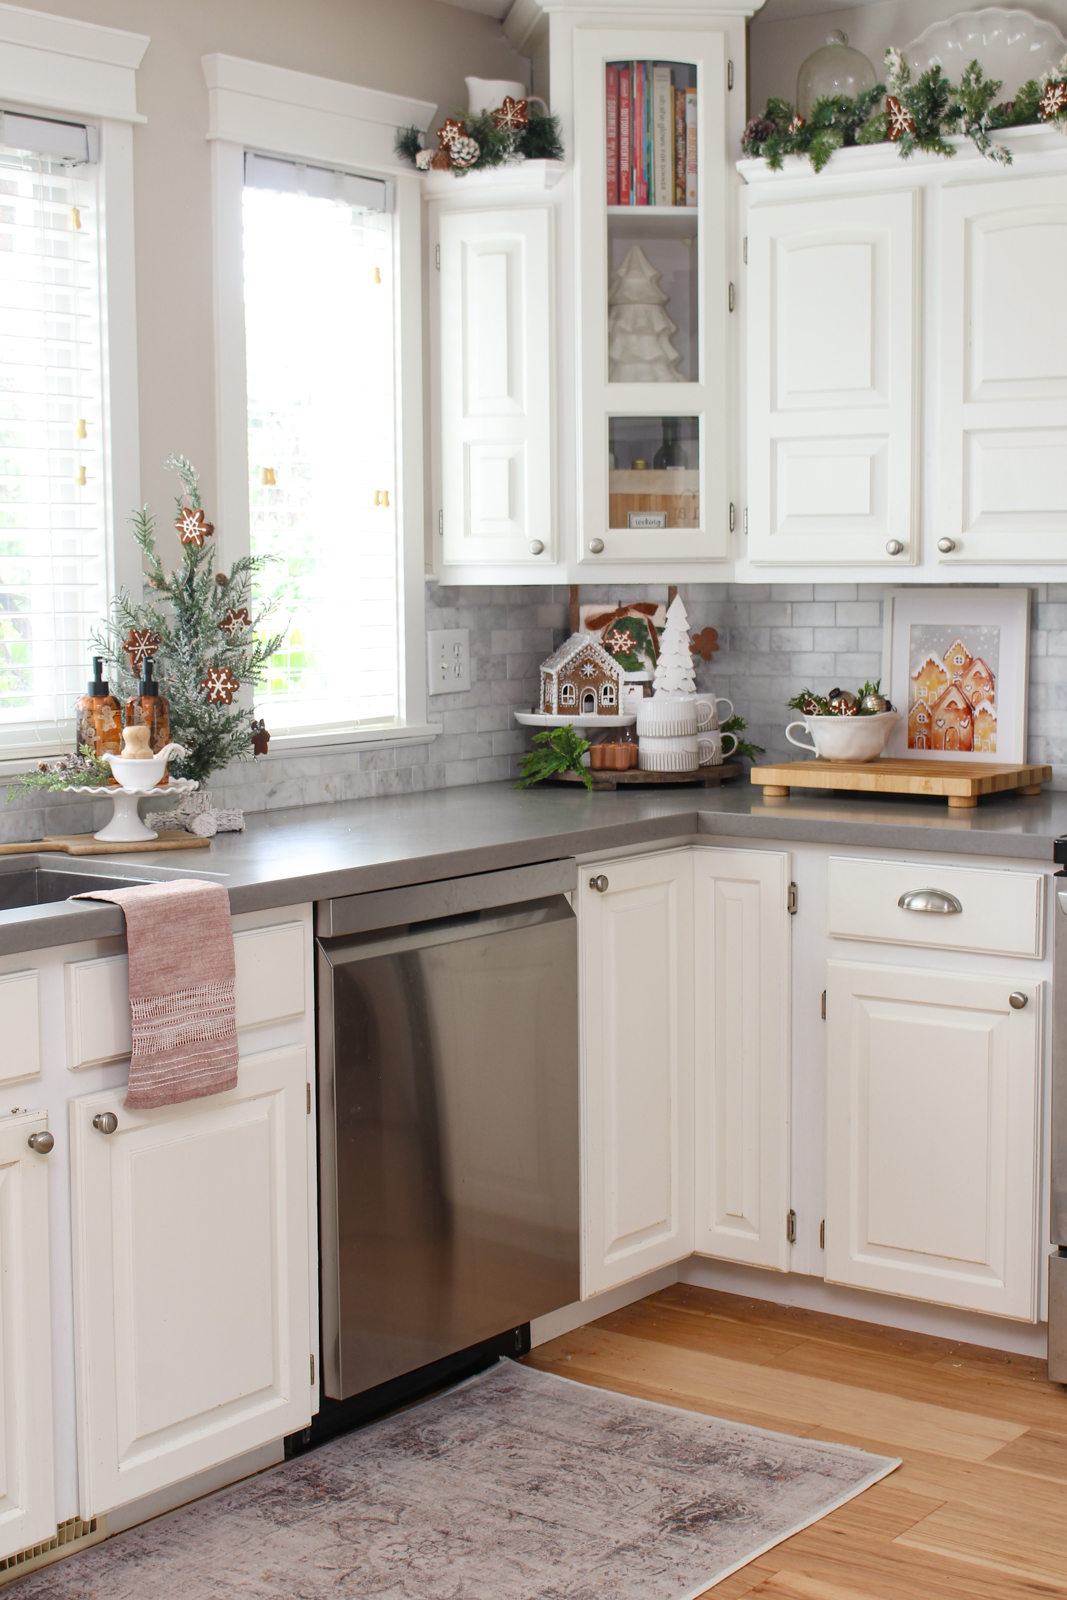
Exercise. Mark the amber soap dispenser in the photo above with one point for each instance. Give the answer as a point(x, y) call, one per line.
point(148, 708)
point(97, 716)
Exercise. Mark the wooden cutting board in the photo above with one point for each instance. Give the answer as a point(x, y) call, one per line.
point(961, 783)
point(84, 844)
point(608, 778)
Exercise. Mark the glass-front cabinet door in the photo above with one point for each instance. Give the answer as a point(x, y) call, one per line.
point(654, 296)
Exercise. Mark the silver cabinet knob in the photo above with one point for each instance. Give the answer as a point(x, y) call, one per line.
point(946, 546)
point(596, 546)
point(894, 548)
point(41, 1142)
point(1017, 1000)
point(536, 547)
point(599, 883)
point(930, 900)
point(105, 1122)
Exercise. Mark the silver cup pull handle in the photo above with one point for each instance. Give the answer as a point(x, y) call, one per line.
point(935, 900)
point(105, 1122)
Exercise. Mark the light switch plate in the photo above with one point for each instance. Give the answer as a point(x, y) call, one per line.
point(448, 660)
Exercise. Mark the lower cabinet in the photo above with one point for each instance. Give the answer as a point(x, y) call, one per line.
point(192, 1334)
point(636, 922)
point(742, 1054)
point(932, 1085)
point(27, 1497)
point(685, 1018)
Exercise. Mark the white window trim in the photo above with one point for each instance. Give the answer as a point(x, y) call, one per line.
point(298, 116)
point(50, 64)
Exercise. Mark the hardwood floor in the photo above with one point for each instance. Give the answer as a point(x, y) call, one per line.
point(977, 1511)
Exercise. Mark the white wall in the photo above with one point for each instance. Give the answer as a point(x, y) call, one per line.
point(420, 48)
point(778, 43)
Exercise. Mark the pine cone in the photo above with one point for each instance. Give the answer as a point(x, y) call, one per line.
point(758, 131)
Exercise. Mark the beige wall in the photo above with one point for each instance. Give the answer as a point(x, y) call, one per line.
point(420, 48)
point(776, 49)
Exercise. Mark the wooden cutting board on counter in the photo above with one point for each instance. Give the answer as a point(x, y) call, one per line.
point(84, 844)
point(961, 783)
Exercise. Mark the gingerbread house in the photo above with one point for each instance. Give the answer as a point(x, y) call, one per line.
point(930, 679)
point(957, 659)
point(920, 726)
point(985, 728)
point(977, 682)
point(953, 721)
point(580, 679)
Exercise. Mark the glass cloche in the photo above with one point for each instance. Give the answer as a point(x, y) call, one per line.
point(835, 68)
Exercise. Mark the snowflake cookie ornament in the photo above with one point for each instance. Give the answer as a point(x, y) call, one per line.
point(193, 527)
point(449, 131)
point(899, 117)
point(512, 116)
point(139, 644)
point(236, 620)
point(219, 687)
point(1053, 103)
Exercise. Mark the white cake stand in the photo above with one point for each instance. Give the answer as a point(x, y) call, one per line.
point(126, 826)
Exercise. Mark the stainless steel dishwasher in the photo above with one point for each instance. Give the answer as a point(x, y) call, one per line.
point(448, 1117)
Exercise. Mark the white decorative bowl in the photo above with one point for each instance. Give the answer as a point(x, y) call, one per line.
point(143, 775)
point(846, 738)
point(1010, 45)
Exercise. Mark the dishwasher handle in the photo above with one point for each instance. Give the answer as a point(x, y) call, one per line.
point(449, 897)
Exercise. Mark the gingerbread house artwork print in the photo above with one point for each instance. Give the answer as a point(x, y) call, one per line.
point(952, 702)
point(580, 679)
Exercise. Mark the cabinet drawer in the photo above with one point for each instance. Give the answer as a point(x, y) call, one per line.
point(1002, 913)
point(269, 987)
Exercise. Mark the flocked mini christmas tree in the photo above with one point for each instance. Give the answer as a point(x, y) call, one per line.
point(639, 330)
point(674, 669)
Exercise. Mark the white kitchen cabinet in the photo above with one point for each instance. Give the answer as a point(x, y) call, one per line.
point(932, 1110)
point(497, 415)
point(742, 1054)
point(190, 1245)
point(635, 921)
point(1002, 362)
point(27, 1494)
point(833, 403)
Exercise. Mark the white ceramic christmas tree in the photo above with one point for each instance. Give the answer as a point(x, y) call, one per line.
point(674, 669)
point(639, 330)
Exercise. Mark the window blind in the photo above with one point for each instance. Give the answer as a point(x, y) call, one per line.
point(53, 548)
point(322, 443)
point(320, 183)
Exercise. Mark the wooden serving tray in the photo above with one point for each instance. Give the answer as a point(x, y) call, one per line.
point(706, 777)
point(84, 844)
point(959, 782)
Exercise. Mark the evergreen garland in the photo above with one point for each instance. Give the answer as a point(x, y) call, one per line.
point(187, 615)
point(919, 115)
point(539, 140)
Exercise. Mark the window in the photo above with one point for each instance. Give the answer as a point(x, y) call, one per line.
point(322, 440)
point(567, 695)
point(607, 694)
point(53, 534)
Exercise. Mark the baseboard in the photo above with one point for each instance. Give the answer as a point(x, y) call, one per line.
point(579, 1312)
point(886, 1310)
point(196, 1487)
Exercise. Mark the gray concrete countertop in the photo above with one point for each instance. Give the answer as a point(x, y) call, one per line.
point(317, 852)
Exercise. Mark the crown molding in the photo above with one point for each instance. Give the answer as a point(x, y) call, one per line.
point(283, 112)
point(61, 64)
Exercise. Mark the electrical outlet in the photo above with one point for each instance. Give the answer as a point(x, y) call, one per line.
point(448, 660)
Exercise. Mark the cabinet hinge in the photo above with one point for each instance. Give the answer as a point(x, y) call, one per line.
point(307, 1086)
point(822, 1234)
point(729, 75)
point(744, 249)
point(791, 900)
point(745, 524)
point(730, 297)
point(791, 1227)
point(437, 257)
point(733, 517)
point(823, 1007)
point(440, 524)
point(313, 1371)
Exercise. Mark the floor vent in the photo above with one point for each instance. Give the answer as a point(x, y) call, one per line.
point(69, 1537)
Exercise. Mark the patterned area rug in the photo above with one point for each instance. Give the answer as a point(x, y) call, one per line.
point(515, 1486)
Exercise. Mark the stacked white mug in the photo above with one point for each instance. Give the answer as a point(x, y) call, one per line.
point(678, 733)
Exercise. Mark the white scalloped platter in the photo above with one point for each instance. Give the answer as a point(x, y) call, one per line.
point(1010, 45)
point(541, 719)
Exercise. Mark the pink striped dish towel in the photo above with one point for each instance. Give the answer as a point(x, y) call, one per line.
point(180, 944)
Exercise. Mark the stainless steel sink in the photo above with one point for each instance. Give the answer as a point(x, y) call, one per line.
point(40, 886)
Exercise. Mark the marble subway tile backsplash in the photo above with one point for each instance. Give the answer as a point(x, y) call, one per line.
point(774, 639)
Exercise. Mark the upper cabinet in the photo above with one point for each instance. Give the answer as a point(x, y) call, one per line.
point(906, 362)
point(582, 312)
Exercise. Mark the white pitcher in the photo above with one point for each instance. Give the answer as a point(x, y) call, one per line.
point(489, 94)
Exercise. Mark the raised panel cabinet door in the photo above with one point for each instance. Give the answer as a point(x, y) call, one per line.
point(637, 1066)
point(932, 1083)
point(741, 1048)
point(1003, 371)
point(497, 468)
point(833, 405)
point(27, 1493)
point(190, 1241)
